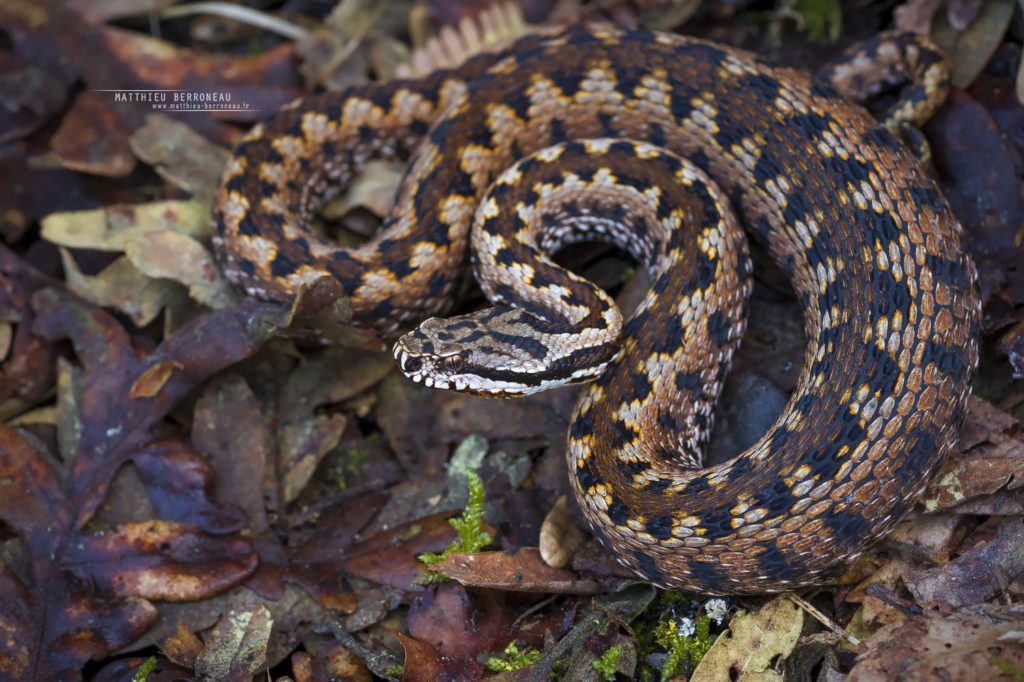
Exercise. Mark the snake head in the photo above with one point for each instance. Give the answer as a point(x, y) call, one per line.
point(497, 352)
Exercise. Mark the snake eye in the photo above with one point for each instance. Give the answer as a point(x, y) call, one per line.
point(453, 363)
point(412, 365)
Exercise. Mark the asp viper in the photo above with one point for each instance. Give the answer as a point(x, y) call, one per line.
point(583, 134)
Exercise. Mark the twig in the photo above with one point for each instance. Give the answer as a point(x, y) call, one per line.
point(823, 619)
point(246, 15)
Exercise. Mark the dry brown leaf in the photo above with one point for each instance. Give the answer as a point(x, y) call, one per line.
point(180, 155)
point(753, 644)
point(373, 189)
point(977, 574)
point(183, 647)
point(108, 229)
point(152, 380)
point(171, 255)
point(523, 571)
point(121, 286)
point(237, 647)
point(559, 536)
point(966, 645)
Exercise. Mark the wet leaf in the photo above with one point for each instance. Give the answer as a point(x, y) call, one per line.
point(390, 557)
point(109, 425)
point(229, 429)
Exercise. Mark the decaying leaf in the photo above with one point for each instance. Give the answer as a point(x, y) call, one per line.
point(967, 645)
point(180, 155)
point(172, 255)
point(977, 574)
point(522, 571)
point(750, 649)
point(121, 286)
point(237, 647)
point(109, 229)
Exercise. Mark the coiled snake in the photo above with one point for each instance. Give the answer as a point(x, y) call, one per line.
point(583, 135)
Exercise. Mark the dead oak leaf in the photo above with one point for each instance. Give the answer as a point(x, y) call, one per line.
point(970, 644)
point(521, 571)
point(107, 426)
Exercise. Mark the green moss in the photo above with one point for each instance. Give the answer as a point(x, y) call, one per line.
point(142, 674)
point(514, 659)
point(822, 19)
point(349, 467)
point(469, 526)
point(1008, 668)
point(683, 647)
point(609, 662)
point(395, 671)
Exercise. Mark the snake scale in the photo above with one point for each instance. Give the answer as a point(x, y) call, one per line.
point(663, 145)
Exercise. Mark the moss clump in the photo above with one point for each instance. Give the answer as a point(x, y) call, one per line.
point(514, 659)
point(685, 641)
point(609, 662)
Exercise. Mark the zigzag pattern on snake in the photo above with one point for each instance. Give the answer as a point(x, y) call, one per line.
point(651, 141)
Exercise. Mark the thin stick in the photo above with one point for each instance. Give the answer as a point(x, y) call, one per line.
point(823, 619)
point(246, 15)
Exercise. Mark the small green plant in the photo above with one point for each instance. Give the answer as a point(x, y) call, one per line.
point(470, 528)
point(514, 659)
point(397, 670)
point(822, 19)
point(684, 644)
point(609, 662)
point(148, 666)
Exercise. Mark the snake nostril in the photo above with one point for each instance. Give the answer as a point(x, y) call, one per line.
point(412, 365)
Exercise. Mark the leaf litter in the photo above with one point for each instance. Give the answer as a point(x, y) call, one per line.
point(196, 485)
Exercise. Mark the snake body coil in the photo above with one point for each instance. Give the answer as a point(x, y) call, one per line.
point(650, 141)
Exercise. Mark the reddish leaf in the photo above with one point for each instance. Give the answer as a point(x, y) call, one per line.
point(59, 628)
point(180, 485)
point(110, 425)
point(27, 374)
point(523, 571)
point(389, 557)
point(423, 664)
point(161, 560)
